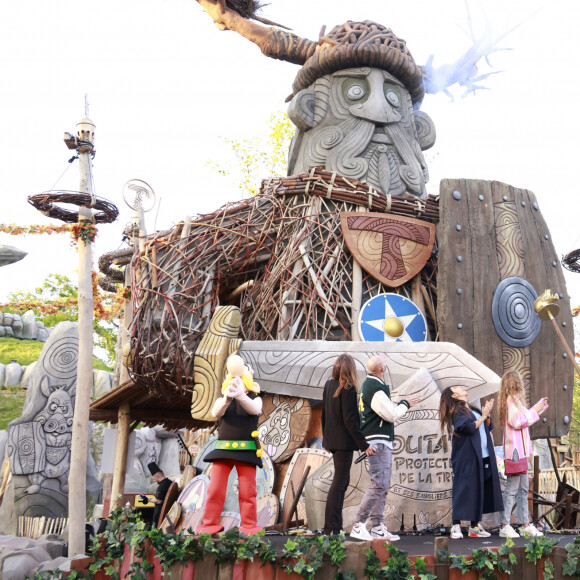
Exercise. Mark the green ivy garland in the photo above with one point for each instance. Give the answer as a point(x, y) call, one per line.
point(303, 555)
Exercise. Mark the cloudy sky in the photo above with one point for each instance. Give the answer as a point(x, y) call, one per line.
point(165, 87)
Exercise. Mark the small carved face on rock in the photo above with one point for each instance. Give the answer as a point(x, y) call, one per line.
point(360, 123)
point(57, 418)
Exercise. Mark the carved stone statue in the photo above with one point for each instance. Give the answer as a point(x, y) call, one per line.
point(39, 441)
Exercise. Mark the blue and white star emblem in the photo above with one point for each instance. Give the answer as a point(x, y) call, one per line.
point(392, 318)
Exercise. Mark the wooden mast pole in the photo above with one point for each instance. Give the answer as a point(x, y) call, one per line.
point(138, 233)
point(80, 432)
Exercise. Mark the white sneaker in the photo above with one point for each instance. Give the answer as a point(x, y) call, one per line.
point(508, 532)
point(456, 532)
point(530, 530)
point(478, 532)
point(381, 532)
point(360, 532)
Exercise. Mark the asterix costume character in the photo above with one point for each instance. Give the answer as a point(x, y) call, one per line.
point(238, 410)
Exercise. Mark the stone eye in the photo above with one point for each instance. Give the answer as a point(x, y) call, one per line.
point(393, 98)
point(355, 92)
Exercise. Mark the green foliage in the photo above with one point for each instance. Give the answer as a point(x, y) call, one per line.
point(422, 572)
point(304, 555)
point(398, 566)
point(483, 560)
point(56, 301)
point(539, 547)
point(11, 403)
point(571, 565)
point(574, 434)
point(25, 352)
point(259, 159)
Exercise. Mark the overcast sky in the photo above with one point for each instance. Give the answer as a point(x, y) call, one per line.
point(165, 87)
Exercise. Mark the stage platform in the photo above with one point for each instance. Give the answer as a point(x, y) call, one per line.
point(424, 544)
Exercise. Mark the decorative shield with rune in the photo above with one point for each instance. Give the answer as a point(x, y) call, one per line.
point(391, 248)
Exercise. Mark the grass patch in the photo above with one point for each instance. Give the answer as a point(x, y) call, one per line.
point(11, 403)
point(25, 352)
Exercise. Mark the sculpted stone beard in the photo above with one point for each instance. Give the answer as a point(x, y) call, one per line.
point(373, 139)
point(382, 155)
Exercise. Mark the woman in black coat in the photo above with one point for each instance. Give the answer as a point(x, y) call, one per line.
point(476, 488)
point(341, 435)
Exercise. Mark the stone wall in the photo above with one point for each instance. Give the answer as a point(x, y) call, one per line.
point(23, 327)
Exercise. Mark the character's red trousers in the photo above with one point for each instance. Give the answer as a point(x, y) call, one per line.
point(216, 497)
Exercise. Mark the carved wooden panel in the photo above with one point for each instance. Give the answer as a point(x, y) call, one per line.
point(302, 368)
point(220, 340)
point(282, 425)
point(488, 232)
point(391, 248)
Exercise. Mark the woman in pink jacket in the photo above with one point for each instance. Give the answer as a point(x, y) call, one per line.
point(515, 419)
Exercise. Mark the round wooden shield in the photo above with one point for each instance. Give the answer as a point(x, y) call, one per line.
point(283, 425)
point(268, 508)
point(230, 520)
point(171, 520)
point(170, 499)
point(302, 458)
point(199, 460)
point(192, 500)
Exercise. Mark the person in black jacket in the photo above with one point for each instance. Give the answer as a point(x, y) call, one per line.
point(341, 435)
point(162, 489)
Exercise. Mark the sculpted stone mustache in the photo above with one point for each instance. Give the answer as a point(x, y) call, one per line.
point(360, 123)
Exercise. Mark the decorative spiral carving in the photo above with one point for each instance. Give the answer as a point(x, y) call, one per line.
point(513, 313)
point(60, 360)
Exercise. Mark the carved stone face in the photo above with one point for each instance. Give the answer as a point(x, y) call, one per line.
point(57, 419)
point(360, 123)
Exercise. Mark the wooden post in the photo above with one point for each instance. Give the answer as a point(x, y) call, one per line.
point(536, 488)
point(77, 505)
point(564, 343)
point(120, 455)
point(441, 567)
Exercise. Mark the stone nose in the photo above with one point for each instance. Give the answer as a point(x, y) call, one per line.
point(376, 109)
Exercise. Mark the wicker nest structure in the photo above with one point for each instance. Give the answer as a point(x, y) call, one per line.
point(45, 203)
point(264, 255)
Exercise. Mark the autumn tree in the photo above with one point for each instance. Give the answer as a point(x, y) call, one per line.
point(259, 158)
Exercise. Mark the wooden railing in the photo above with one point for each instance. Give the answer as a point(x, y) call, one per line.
point(33, 528)
point(548, 485)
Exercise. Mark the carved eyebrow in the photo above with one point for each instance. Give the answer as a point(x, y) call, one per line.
point(358, 73)
point(393, 80)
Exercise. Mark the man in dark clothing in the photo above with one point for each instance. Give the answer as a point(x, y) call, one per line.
point(162, 489)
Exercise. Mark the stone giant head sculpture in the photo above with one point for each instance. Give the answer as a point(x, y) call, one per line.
point(355, 100)
point(356, 106)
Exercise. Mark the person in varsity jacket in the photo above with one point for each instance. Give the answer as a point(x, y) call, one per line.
point(378, 415)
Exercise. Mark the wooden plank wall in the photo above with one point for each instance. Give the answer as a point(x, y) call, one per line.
point(489, 231)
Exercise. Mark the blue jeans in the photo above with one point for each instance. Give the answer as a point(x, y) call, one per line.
point(516, 490)
point(373, 502)
point(333, 513)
